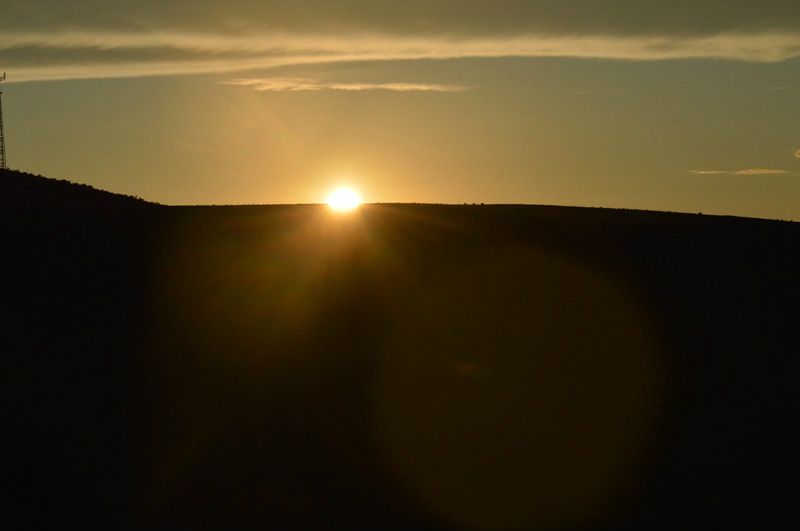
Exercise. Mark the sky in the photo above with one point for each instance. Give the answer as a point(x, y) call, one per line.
point(682, 106)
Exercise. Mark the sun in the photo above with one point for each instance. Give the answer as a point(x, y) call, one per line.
point(344, 199)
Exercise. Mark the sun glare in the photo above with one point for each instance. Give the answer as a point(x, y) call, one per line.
point(344, 199)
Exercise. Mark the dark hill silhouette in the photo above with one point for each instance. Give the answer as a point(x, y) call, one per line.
point(25, 190)
point(407, 366)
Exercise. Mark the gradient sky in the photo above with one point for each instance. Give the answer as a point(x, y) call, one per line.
point(628, 103)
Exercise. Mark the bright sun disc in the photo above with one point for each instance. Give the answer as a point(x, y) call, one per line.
point(344, 199)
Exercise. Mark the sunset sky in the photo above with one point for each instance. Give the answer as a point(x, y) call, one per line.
point(638, 104)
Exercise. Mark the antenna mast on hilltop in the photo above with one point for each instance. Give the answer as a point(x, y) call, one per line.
point(3, 165)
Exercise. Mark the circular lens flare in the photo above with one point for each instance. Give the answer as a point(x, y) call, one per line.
point(344, 199)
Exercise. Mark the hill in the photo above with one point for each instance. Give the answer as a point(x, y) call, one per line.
point(25, 190)
point(409, 366)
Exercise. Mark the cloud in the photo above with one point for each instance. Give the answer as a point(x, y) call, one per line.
point(761, 171)
point(746, 171)
point(39, 55)
point(284, 84)
point(48, 39)
point(474, 18)
point(710, 172)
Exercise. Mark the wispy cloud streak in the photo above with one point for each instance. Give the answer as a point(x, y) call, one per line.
point(116, 54)
point(710, 172)
point(746, 171)
point(284, 84)
point(761, 171)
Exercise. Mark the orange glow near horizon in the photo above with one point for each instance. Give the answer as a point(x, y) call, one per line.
point(344, 199)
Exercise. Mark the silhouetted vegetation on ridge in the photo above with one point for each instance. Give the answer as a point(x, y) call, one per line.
point(20, 189)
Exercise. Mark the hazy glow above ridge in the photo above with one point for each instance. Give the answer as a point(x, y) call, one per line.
point(344, 199)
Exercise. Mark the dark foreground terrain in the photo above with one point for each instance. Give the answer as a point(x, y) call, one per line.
point(407, 366)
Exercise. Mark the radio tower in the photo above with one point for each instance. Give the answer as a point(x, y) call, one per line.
point(3, 165)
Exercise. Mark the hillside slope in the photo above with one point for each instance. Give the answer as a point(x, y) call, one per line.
point(20, 189)
point(410, 366)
